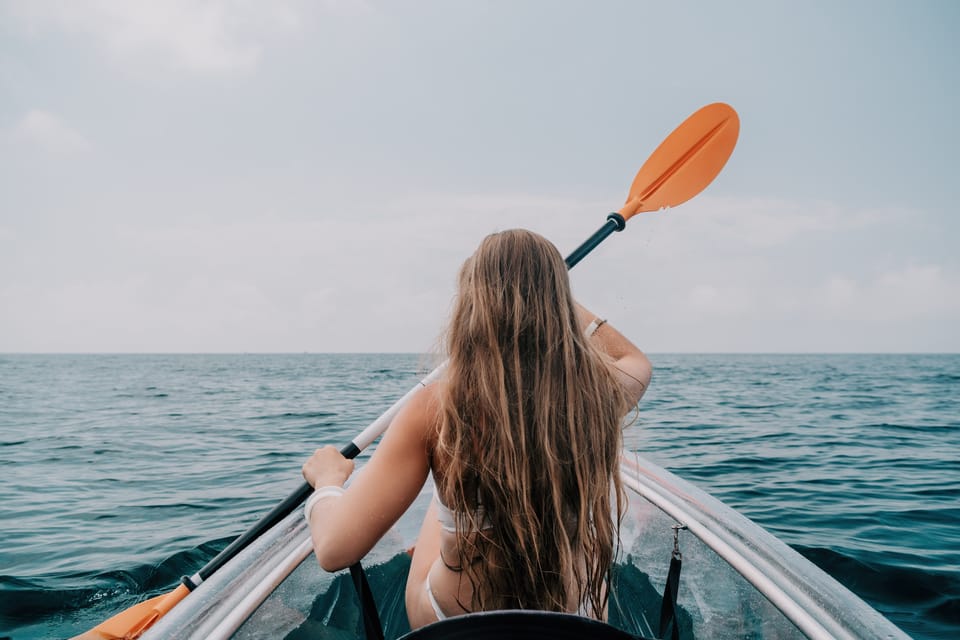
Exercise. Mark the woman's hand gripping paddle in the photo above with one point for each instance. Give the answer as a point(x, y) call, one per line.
point(680, 168)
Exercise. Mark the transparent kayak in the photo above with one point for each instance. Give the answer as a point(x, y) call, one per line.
point(737, 580)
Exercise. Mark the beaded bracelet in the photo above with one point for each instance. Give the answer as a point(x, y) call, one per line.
point(318, 495)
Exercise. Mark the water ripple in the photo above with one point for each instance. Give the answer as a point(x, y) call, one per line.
point(124, 472)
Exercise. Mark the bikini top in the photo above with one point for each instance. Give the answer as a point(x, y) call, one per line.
point(448, 517)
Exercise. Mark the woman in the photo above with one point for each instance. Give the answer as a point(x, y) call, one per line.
point(522, 435)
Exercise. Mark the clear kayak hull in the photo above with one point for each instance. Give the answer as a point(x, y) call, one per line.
point(737, 580)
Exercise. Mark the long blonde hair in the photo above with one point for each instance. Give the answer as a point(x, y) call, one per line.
point(529, 434)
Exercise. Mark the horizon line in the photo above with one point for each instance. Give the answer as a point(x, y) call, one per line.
point(427, 353)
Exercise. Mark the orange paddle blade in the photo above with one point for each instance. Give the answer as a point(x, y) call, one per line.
point(134, 621)
point(686, 162)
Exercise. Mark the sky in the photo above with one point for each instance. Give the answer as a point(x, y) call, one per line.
point(292, 176)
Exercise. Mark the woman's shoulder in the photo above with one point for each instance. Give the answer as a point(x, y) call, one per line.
point(421, 413)
point(427, 398)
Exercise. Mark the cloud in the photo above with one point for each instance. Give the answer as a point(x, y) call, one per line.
point(909, 308)
point(379, 276)
point(724, 274)
point(908, 293)
point(50, 132)
point(205, 37)
point(761, 223)
point(711, 300)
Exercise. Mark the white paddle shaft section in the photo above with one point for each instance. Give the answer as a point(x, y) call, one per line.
point(378, 426)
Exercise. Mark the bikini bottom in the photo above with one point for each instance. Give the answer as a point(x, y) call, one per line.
point(433, 601)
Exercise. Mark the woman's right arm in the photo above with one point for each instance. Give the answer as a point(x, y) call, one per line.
point(345, 528)
point(633, 367)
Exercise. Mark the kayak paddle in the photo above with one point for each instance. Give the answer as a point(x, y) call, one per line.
point(681, 167)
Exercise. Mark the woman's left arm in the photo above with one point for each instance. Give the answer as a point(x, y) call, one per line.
point(632, 366)
point(345, 527)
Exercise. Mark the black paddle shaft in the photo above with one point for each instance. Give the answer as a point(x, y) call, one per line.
point(265, 523)
point(615, 222)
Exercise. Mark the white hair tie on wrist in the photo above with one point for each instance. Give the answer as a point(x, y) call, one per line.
point(593, 326)
point(318, 495)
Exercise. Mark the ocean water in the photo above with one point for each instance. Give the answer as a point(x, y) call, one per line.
point(122, 472)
